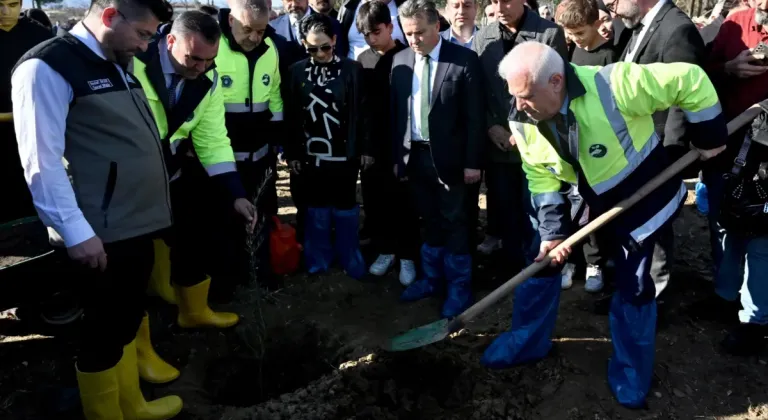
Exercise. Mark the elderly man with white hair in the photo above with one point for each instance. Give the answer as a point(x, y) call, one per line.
point(591, 127)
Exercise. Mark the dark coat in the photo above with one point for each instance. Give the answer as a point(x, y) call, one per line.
point(456, 122)
point(349, 94)
point(490, 48)
point(671, 38)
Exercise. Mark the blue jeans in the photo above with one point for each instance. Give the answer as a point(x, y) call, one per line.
point(732, 278)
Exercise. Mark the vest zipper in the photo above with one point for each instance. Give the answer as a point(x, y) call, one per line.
point(109, 191)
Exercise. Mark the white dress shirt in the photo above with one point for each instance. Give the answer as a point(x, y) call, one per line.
point(647, 20)
point(416, 92)
point(356, 40)
point(167, 66)
point(41, 99)
point(295, 25)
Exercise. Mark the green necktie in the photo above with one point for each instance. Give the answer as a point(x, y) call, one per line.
point(425, 98)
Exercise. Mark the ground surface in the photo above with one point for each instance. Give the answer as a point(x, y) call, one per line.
point(321, 358)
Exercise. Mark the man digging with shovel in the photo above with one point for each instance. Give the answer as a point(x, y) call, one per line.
point(591, 127)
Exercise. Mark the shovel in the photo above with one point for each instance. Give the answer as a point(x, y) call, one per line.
point(436, 331)
point(6, 116)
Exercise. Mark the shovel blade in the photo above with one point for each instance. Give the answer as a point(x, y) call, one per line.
point(420, 337)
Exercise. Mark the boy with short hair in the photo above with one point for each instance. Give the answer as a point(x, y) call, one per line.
point(581, 21)
point(389, 215)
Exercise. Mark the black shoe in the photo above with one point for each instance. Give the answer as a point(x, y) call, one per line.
point(716, 309)
point(745, 340)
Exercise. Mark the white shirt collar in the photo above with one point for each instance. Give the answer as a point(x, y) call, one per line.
point(435, 54)
point(85, 36)
point(293, 20)
point(165, 61)
point(651, 15)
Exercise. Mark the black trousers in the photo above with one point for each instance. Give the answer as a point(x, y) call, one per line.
point(390, 216)
point(19, 202)
point(331, 184)
point(442, 207)
point(196, 232)
point(507, 189)
point(113, 302)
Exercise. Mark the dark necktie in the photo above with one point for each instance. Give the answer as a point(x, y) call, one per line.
point(634, 38)
point(175, 80)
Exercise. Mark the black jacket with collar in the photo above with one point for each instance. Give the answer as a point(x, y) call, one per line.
point(350, 96)
point(489, 46)
point(671, 38)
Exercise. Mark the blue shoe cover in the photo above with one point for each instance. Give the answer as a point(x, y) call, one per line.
point(630, 368)
point(318, 253)
point(534, 314)
point(458, 275)
point(432, 266)
point(348, 243)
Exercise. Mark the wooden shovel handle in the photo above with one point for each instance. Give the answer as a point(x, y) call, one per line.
point(506, 288)
point(6, 117)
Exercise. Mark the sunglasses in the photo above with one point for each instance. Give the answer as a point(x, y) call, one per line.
point(324, 48)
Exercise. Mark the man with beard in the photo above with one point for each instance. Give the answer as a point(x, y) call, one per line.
point(75, 101)
point(661, 33)
point(188, 104)
point(17, 36)
point(741, 79)
point(324, 7)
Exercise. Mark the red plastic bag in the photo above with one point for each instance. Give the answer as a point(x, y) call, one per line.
point(284, 251)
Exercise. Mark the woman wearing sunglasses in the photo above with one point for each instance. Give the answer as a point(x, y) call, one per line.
point(327, 144)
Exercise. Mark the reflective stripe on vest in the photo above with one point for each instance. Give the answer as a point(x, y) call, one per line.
point(252, 157)
point(241, 108)
point(631, 154)
point(655, 222)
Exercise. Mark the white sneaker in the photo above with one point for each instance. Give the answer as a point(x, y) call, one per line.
point(489, 245)
point(382, 265)
point(568, 272)
point(407, 272)
point(594, 279)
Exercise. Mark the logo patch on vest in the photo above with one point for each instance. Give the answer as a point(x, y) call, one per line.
point(191, 116)
point(597, 150)
point(99, 84)
point(265, 80)
point(226, 81)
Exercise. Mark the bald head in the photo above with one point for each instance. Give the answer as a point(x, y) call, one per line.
point(535, 75)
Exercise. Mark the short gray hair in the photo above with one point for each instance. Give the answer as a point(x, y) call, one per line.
point(258, 7)
point(539, 60)
point(196, 22)
point(419, 8)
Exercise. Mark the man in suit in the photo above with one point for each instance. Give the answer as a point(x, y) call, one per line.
point(438, 130)
point(504, 177)
point(661, 33)
point(287, 26)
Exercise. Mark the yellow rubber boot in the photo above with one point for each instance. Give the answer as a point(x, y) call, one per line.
point(132, 401)
point(152, 368)
point(100, 395)
point(160, 280)
point(194, 311)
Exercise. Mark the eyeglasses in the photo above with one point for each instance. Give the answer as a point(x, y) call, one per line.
point(323, 48)
point(143, 35)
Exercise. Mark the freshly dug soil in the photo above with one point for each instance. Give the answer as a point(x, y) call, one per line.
point(21, 242)
point(312, 351)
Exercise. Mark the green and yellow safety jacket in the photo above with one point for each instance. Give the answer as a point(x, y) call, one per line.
point(611, 148)
point(196, 122)
point(250, 83)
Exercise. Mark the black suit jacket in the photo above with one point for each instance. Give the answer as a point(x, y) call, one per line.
point(456, 117)
point(671, 38)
